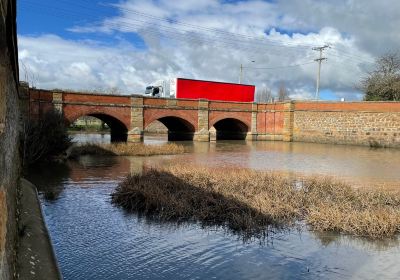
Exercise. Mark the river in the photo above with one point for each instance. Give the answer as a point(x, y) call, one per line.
point(93, 239)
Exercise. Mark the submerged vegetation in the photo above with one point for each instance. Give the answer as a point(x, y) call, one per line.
point(248, 202)
point(125, 149)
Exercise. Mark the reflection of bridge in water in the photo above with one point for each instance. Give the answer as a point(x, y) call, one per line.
point(198, 120)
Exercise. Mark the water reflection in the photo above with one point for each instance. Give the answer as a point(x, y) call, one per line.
point(361, 166)
point(95, 240)
point(49, 178)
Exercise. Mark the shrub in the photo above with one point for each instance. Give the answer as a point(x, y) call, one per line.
point(44, 139)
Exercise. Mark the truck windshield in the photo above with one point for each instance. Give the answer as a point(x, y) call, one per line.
point(148, 90)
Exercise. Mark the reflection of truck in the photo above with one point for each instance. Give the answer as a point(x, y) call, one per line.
point(197, 89)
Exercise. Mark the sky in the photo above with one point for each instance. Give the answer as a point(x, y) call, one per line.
point(123, 46)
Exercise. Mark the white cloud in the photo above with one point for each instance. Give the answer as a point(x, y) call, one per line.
point(195, 50)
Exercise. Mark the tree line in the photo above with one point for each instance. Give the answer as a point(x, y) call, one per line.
point(265, 94)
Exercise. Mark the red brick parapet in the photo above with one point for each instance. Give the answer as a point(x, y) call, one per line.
point(364, 123)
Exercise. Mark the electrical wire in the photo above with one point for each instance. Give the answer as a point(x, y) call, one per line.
point(228, 40)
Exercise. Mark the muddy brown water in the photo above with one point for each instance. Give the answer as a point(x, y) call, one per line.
point(95, 240)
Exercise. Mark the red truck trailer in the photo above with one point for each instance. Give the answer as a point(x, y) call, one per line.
point(198, 89)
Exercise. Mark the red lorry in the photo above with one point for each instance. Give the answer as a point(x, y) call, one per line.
point(198, 89)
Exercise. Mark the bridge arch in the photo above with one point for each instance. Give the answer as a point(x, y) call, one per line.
point(118, 130)
point(229, 129)
point(179, 129)
point(181, 124)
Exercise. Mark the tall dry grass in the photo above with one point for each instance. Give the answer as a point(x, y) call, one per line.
point(125, 149)
point(248, 201)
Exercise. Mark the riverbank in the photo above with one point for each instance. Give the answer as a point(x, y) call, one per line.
point(36, 258)
point(248, 201)
point(124, 149)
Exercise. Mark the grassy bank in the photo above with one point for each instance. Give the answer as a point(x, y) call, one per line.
point(249, 201)
point(125, 149)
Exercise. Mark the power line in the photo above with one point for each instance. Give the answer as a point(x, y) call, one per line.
point(195, 28)
point(167, 32)
point(125, 27)
point(193, 36)
point(350, 55)
point(190, 38)
point(278, 67)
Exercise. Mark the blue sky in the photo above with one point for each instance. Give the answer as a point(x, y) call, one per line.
point(128, 44)
point(44, 19)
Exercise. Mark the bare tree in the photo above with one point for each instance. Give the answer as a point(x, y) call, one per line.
point(282, 93)
point(383, 83)
point(265, 95)
point(28, 74)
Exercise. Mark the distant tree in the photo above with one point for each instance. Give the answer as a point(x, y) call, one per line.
point(383, 83)
point(265, 95)
point(282, 92)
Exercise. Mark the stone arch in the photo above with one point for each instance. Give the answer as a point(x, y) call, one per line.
point(229, 129)
point(118, 130)
point(179, 129)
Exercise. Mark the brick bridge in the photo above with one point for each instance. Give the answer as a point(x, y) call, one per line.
point(359, 123)
point(198, 120)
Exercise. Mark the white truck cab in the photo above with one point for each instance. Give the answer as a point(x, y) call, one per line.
point(162, 88)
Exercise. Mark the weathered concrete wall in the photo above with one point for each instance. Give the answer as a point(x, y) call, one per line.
point(355, 123)
point(9, 117)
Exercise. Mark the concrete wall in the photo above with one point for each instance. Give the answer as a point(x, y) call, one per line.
point(9, 116)
point(374, 124)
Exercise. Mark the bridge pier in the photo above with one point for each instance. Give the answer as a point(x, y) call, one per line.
point(202, 134)
point(288, 120)
point(252, 135)
point(135, 134)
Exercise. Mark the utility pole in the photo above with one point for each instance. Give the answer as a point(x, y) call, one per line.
point(241, 71)
point(319, 60)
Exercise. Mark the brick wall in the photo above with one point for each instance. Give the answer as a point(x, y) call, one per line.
point(355, 123)
point(9, 118)
point(358, 123)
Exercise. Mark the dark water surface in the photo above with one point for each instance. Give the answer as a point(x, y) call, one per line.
point(95, 240)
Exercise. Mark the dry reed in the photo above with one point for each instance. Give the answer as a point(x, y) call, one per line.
point(248, 201)
point(125, 149)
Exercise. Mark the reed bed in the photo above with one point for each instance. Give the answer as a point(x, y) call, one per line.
point(250, 201)
point(125, 149)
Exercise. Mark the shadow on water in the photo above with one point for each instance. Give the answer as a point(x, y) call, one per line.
point(49, 178)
